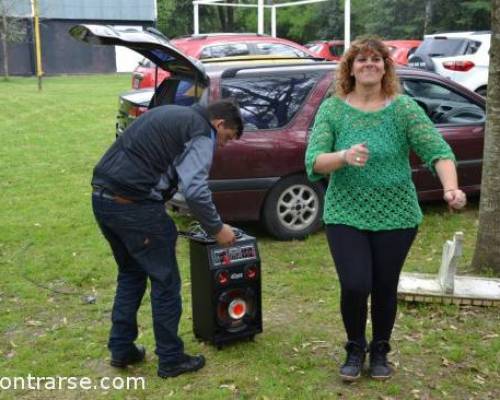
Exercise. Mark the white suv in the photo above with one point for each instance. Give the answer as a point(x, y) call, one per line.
point(461, 56)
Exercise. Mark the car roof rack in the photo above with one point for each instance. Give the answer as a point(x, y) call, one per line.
point(216, 34)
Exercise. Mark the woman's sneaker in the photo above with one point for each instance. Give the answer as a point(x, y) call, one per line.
point(379, 366)
point(351, 370)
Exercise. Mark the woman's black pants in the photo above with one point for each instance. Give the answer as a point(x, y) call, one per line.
point(368, 263)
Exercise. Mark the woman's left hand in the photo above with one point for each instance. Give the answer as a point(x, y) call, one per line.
point(455, 198)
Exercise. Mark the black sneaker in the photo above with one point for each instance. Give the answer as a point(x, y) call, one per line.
point(379, 367)
point(186, 364)
point(133, 357)
point(351, 370)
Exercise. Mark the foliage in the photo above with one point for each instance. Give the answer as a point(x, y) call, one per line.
point(52, 254)
point(175, 17)
point(391, 19)
point(12, 30)
point(15, 31)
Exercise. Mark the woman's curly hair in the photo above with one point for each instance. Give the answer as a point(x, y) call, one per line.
point(344, 83)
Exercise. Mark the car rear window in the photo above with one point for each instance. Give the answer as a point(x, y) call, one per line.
point(225, 50)
point(270, 102)
point(447, 47)
point(279, 49)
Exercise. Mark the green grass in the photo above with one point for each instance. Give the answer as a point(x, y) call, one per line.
point(50, 244)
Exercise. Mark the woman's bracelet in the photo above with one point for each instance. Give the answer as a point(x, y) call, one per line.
point(450, 190)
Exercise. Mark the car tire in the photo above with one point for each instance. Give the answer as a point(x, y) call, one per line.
point(482, 91)
point(294, 208)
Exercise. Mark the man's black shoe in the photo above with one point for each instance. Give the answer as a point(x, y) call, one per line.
point(186, 364)
point(136, 355)
point(351, 370)
point(379, 367)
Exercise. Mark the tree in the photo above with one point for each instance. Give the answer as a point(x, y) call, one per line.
point(12, 30)
point(487, 251)
point(175, 17)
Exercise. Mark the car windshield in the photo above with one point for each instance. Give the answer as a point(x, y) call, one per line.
point(316, 48)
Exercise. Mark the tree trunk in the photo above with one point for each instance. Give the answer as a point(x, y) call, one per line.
point(3, 34)
point(487, 251)
point(428, 15)
point(222, 19)
point(230, 17)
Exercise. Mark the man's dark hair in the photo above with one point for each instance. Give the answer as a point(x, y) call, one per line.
point(229, 111)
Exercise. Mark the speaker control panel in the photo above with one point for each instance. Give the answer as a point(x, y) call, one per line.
point(230, 255)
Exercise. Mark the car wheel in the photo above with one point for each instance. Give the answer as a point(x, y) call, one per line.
point(294, 208)
point(482, 91)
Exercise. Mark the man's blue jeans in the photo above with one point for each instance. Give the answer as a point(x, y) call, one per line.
point(142, 237)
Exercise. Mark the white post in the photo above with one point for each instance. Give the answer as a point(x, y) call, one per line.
point(273, 21)
point(260, 17)
point(347, 24)
point(196, 25)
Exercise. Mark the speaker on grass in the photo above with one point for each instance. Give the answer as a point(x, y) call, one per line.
point(225, 289)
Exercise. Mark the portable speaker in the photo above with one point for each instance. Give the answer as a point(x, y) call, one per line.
point(225, 289)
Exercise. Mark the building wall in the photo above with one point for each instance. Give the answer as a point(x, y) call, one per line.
point(61, 54)
point(105, 10)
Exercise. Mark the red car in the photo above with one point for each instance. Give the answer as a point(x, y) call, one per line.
point(218, 46)
point(400, 50)
point(331, 50)
point(261, 177)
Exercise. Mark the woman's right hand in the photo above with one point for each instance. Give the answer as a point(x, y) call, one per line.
point(357, 155)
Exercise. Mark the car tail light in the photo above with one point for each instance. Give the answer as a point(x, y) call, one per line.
point(135, 111)
point(462, 66)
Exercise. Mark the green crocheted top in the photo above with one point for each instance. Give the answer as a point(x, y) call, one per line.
point(381, 195)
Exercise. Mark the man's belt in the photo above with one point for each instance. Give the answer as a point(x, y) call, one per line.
point(107, 194)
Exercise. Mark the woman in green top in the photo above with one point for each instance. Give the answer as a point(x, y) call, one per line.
point(362, 138)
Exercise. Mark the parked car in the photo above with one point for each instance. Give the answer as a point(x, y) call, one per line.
point(261, 176)
point(400, 50)
point(208, 46)
point(334, 49)
point(328, 49)
point(461, 56)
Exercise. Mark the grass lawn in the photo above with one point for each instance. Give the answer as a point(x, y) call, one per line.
point(52, 255)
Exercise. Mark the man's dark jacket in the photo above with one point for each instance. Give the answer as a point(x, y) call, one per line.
point(144, 160)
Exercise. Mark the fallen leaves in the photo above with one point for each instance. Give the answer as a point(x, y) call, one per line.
point(32, 322)
point(490, 336)
point(445, 362)
point(231, 387)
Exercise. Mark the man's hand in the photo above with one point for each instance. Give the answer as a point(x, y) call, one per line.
point(225, 237)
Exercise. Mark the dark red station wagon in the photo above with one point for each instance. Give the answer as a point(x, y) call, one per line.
point(261, 176)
